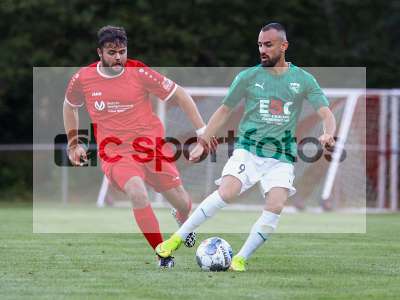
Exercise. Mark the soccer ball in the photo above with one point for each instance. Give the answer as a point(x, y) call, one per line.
point(214, 254)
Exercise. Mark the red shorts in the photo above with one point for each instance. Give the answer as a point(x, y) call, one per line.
point(120, 172)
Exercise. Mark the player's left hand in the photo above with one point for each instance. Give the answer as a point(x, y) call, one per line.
point(77, 155)
point(197, 152)
point(327, 140)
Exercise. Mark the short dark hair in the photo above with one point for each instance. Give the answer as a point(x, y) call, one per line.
point(277, 26)
point(111, 34)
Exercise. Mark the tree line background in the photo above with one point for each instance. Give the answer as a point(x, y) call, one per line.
point(180, 33)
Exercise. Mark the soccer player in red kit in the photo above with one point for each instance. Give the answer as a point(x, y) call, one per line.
point(116, 91)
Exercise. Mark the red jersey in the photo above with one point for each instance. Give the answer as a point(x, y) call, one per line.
point(120, 105)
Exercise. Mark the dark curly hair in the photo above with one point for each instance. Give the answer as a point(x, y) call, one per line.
point(111, 34)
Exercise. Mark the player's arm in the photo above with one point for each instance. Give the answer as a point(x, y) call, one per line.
point(329, 126)
point(187, 104)
point(71, 125)
point(217, 120)
point(318, 100)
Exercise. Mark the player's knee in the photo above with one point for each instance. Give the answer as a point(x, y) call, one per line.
point(136, 192)
point(275, 207)
point(275, 203)
point(138, 198)
point(230, 188)
point(227, 194)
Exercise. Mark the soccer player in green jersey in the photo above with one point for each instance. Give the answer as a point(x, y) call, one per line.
point(274, 92)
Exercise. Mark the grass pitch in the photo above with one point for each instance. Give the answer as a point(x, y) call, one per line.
point(112, 266)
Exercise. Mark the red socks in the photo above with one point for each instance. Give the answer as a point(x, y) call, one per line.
point(148, 224)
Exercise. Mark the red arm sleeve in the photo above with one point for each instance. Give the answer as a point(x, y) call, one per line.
point(156, 83)
point(74, 94)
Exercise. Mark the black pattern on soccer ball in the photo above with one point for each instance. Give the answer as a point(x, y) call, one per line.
point(214, 254)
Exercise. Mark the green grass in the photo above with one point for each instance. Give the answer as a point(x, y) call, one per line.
point(110, 266)
point(74, 218)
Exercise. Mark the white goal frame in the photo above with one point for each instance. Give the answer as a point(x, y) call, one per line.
point(352, 96)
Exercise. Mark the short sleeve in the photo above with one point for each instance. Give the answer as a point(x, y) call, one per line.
point(74, 94)
point(236, 92)
point(156, 83)
point(314, 94)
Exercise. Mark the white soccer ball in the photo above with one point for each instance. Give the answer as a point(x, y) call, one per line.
point(214, 254)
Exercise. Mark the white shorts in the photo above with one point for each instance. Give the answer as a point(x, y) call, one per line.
point(251, 169)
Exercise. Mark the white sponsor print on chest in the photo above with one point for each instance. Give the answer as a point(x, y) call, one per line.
point(112, 106)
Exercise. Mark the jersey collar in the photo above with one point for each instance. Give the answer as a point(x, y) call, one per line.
point(290, 66)
point(105, 75)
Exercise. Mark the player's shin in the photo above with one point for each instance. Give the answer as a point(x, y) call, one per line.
point(260, 233)
point(148, 224)
point(208, 208)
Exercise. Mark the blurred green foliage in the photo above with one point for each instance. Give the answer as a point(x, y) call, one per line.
point(188, 33)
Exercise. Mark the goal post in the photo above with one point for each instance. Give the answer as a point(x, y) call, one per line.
point(348, 113)
point(350, 102)
point(394, 156)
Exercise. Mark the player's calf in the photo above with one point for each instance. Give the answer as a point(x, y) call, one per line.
point(190, 239)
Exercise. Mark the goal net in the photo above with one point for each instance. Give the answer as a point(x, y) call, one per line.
point(311, 168)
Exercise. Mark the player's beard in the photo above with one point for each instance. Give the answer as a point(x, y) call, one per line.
point(270, 62)
point(111, 69)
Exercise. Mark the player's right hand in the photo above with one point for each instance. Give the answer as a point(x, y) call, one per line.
point(77, 155)
point(197, 152)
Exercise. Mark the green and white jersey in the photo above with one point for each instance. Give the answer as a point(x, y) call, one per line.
point(273, 104)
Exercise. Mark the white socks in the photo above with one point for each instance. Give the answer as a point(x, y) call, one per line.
point(205, 210)
point(260, 232)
